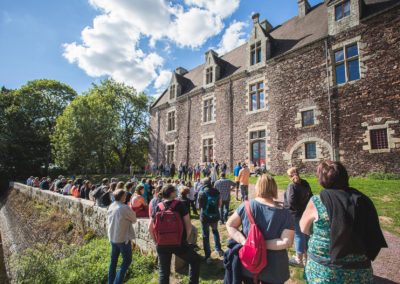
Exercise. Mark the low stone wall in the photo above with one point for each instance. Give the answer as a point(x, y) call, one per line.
point(86, 214)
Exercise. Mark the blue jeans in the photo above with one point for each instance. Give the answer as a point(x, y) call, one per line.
point(205, 227)
point(116, 250)
point(224, 210)
point(300, 239)
point(244, 191)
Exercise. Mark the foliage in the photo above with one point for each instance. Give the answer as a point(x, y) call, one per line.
point(27, 117)
point(73, 264)
point(105, 128)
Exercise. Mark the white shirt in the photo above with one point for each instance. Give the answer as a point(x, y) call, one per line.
point(191, 193)
point(119, 222)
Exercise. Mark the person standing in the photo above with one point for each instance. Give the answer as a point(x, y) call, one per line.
point(244, 176)
point(346, 235)
point(190, 172)
point(173, 170)
point(276, 225)
point(197, 171)
point(209, 203)
point(236, 171)
point(224, 167)
point(120, 233)
point(180, 170)
point(296, 197)
point(224, 186)
point(176, 242)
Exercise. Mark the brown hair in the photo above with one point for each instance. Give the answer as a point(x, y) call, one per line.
point(184, 190)
point(120, 185)
point(139, 188)
point(167, 190)
point(266, 187)
point(118, 194)
point(332, 175)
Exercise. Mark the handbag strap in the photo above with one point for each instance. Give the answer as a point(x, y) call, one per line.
point(248, 211)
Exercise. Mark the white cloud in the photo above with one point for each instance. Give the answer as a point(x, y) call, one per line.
point(110, 47)
point(233, 37)
point(223, 8)
point(162, 81)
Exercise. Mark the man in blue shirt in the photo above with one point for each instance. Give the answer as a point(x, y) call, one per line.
point(236, 171)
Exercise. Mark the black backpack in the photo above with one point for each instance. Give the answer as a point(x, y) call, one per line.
point(105, 199)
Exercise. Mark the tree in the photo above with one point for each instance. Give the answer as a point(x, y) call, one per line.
point(42, 101)
point(104, 127)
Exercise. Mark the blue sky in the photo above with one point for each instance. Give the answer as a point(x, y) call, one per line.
point(134, 41)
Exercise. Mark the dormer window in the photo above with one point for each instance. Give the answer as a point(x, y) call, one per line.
point(255, 53)
point(342, 10)
point(172, 92)
point(209, 75)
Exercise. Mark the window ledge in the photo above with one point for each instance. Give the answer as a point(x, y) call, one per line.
point(378, 151)
point(256, 111)
point(347, 83)
point(311, 160)
point(208, 122)
point(308, 126)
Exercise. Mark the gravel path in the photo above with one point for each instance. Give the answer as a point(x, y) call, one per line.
point(387, 265)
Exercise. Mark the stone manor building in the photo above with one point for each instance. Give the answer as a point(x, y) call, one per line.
point(323, 85)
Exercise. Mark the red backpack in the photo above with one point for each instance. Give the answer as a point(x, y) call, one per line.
point(253, 255)
point(168, 225)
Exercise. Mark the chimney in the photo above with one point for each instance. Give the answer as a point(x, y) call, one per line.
point(256, 18)
point(181, 71)
point(266, 26)
point(304, 7)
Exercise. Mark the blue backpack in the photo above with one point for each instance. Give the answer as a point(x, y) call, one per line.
point(210, 210)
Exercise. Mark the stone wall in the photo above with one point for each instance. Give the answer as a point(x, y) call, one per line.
point(85, 213)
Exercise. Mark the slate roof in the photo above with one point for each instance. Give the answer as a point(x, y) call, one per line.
point(292, 34)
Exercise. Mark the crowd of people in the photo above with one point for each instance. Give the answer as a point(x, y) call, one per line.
point(336, 234)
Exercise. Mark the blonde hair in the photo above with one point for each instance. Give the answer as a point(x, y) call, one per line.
point(266, 187)
point(292, 170)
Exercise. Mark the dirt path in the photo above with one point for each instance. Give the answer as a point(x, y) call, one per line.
point(387, 265)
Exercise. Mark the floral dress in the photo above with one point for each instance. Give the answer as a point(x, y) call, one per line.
point(318, 254)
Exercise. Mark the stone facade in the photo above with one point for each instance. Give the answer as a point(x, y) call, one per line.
point(298, 75)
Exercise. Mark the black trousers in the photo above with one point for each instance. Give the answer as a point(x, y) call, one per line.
point(185, 252)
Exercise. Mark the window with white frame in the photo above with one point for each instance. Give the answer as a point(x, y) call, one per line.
point(208, 110)
point(257, 96)
point(307, 118)
point(209, 75)
point(172, 89)
point(171, 121)
point(310, 150)
point(342, 10)
point(347, 65)
point(255, 53)
point(208, 150)
point(170, 153)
